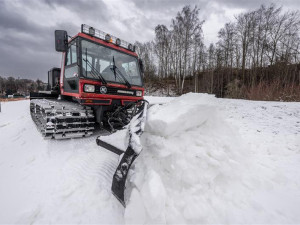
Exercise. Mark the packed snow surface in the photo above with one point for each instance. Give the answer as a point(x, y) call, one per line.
point(204, 160)
point(52, 181)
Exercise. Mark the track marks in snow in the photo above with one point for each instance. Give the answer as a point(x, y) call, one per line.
point(93, 166)
point(4, 125)
point(53, 181)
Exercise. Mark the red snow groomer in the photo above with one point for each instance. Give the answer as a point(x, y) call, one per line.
point(99, 82)
point(99, 75)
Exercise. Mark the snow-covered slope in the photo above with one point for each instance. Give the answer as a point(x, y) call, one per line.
point(205, 160)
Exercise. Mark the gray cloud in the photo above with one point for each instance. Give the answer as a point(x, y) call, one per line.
point(15, 20)
point(163, 5)
point(85, 9)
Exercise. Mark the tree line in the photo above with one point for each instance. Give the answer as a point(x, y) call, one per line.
point(256, 55)
point(11, 85)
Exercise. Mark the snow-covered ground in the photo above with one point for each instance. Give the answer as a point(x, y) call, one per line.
point(52, 181)
point(205, 160)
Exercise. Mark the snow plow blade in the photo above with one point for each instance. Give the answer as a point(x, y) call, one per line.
point(135, 129)
point(109, 147)
point(119, 178)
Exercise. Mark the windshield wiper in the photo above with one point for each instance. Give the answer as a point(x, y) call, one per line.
point(115, 69)
point(97, 74)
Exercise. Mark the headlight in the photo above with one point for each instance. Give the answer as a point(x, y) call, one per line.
point(139, 93)
point(89, 88)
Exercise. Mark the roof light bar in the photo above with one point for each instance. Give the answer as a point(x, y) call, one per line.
point(106, 37)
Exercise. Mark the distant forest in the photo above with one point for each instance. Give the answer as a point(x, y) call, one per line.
point(10, 85)
point(256, 56)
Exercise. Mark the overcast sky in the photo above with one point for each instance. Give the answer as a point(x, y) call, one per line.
point(27, 26)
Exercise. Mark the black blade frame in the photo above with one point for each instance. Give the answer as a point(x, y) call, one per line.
point(120, 175)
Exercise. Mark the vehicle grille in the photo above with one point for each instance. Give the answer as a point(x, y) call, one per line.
point(114, 91)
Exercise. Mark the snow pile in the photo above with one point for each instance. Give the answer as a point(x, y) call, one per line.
point(191, 163)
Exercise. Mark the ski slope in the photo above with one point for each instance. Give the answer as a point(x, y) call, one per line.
point(205, 160)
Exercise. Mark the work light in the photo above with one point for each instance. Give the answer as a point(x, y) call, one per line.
point(130, 47)
point(107, 38)
point(92, 31)
point(118, 41)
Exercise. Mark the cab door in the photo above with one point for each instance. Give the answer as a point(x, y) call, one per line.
point(71, 77)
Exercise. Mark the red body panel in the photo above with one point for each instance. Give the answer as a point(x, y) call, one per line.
point(81, 95)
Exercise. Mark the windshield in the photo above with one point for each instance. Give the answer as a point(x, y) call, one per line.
point(97, 58)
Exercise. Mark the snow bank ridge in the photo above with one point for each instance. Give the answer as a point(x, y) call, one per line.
point(181, 114)
point(190, 156)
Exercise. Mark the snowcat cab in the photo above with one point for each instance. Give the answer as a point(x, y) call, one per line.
point(99, 70)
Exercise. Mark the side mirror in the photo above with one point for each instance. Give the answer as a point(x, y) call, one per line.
point(61, 40)
point(141, 65)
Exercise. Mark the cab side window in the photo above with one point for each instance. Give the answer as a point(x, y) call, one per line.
point(71, 69)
